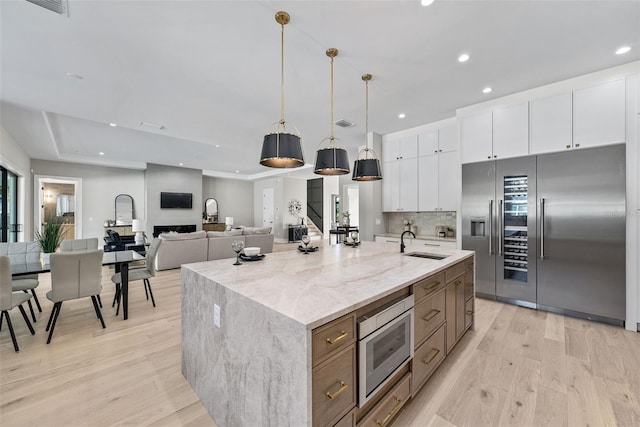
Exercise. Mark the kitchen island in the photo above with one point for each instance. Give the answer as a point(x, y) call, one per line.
point(247, 331)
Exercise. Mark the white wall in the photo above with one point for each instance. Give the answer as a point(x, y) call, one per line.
point(160, 178)
point(235, 199)
point(294, 189)
point(14, 159)
point(100, 186)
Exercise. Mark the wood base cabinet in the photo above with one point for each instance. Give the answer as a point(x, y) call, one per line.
point(386, 410)
point(427, 358)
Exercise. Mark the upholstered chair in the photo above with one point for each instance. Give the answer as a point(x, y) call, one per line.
point(141, 273)
point(74, 245)
point(10, 300)
point(74, 275)
point(24, 253)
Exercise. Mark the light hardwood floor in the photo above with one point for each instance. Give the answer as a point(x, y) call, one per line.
point(519, 367)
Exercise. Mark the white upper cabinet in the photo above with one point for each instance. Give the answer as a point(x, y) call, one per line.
point(599, 114)
point(391, 186)
point(476, 137)
point(448, 176)
point(408, 184)
point(428, 143)
point(511, 131)
point(447, 139)
point(551, 126)
point(401, 148)
point(428, 182)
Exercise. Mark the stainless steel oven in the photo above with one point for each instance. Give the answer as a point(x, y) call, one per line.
point(385, 345)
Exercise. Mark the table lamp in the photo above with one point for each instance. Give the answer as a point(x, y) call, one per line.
point(137, 227)
point(228, 221)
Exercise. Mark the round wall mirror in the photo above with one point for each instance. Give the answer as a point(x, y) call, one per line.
point(211, 210)
point(124, 209)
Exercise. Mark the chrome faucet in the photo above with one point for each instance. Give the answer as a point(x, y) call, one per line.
point(402, 239)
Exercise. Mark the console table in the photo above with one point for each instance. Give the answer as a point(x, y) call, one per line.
point(296, 232)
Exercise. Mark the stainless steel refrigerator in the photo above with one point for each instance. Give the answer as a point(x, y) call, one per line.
point(549, 231)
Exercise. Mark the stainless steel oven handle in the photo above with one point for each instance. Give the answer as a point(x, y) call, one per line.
point(542, 228)
point(500, 227)
point(490, 227)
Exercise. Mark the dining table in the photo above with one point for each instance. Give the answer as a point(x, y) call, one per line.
point(119, 259)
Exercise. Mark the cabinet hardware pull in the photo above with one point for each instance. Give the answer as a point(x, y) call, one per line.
point(426, 362)
point(542, 228)
point(342, 388)
point(457, 283)
point(470, 284)
point(428, 288)
point(390, 414)
point(430, 244)
point(469, 312)
point(577, 145)
point(435, 313)
point(342, 336)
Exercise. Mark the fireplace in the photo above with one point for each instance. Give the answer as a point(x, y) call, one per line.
point(157, 229)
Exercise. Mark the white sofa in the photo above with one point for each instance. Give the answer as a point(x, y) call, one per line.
point(184, 248)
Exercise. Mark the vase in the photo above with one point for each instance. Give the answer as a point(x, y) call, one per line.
point(44, 257)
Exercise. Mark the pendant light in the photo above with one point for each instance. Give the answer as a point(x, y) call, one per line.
point(367, 166)
point(281, 147)
point(332, 160)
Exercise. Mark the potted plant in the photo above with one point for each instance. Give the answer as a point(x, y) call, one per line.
point(49, 237)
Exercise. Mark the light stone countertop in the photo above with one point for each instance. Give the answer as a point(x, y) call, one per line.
point(418, 236)
point(324, 285)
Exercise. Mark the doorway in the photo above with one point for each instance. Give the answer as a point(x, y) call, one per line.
point(60, 198)
point(352, 203)
point(9, 227)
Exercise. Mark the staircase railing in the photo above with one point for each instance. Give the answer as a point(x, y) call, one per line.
point(315, 217)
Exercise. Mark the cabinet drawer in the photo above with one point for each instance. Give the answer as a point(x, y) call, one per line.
point(428, 286)
point(426, 244)
point(384, 412)
point(468, 264)
point(468, 313)
point(333, 336)
point(429, 314)
point(454, 271)
point(348, 420)
point(427, 358)
point(334, 387)
point(468, 285)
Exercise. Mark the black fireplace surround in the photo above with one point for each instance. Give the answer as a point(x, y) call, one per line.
point(157, 229)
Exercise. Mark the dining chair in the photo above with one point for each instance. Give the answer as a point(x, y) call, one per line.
point(9, 300)
point(140, 274)
point(74, 275)
point(76, 245)
point(20, 253)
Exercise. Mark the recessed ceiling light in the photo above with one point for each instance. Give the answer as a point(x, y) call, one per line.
point(486, 90)
point(237, 171)
point(401, 116)
point(75, 76)
point(113, 125)
point(181, 164)
point(622, 50)
point(101, 153)
point(463, 58)
point(426, 2)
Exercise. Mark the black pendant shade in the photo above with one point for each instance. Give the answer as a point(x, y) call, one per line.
point(332, 161)
point(281, 150)
point(366, 170)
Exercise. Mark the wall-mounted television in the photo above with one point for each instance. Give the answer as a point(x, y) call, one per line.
point(175, 200)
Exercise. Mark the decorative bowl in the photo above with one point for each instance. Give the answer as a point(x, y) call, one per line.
point(251, 251)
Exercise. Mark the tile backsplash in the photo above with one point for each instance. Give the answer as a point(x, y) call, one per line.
point(425, 222)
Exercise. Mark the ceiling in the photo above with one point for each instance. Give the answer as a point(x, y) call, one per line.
point(209, 71)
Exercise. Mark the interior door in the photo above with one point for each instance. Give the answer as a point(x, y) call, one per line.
point(267, 207)
point(479, 223)
point(516, 260)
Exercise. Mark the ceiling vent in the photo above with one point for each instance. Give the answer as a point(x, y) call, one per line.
point(343, 123)
point(57, 6)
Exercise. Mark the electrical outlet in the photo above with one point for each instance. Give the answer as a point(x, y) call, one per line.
point(216, 315)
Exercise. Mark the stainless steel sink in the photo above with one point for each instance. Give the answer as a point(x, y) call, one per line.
point(426, 255)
